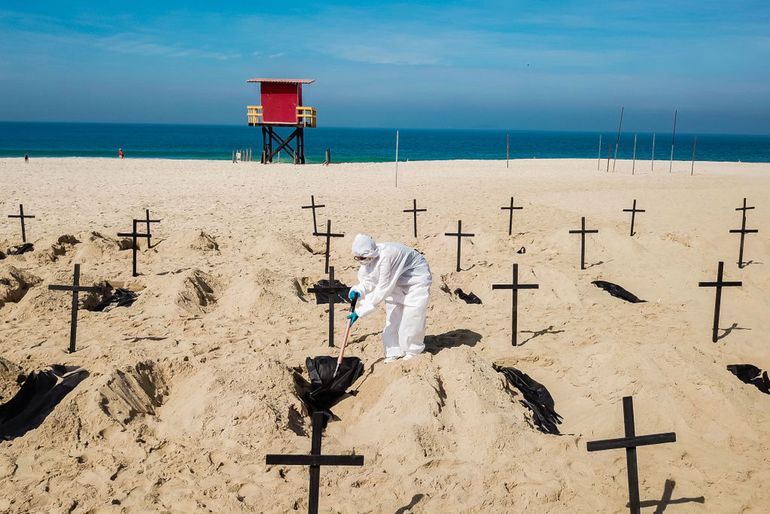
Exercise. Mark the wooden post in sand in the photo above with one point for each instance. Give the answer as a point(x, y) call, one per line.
point(718, 285)
point(673, 137)
point(328, 235)
point(333, 290)
point(743, 231)
point(514, 286)
point(630, 442)
point(633, 165)
point(313, 206)
point(510, 210)
point(75, 288)
point(22, 217)
point(633, 210)
point(583, 233)
point(147, 222)
point(315, 460)
point(414, 210)
point(609, 155)
point(134, 235)
point(617, 141)
point(459, 235)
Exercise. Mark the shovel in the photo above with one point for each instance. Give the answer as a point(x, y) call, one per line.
point(345, 341)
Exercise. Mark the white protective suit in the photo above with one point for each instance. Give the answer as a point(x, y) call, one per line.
point(399, 276)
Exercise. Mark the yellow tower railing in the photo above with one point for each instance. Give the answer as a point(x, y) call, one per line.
point(306, 116)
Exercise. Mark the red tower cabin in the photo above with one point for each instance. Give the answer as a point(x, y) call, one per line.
point(281, 107)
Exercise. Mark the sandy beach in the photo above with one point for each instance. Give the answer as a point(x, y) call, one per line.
point(191, 387)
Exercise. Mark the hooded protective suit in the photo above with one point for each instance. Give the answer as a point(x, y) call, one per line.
point(399, 276)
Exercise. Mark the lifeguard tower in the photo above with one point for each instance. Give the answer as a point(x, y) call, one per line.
point(281, 107)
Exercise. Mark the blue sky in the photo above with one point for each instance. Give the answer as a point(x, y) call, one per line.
point(533, 64)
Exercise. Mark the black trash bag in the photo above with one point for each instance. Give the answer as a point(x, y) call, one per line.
point(323, 391)
point(20, 249)
point(617, 291)
point(37, 397)
point(119, 298)
point(750, 374)
point(2, 255)
point(536, 398)
point(322, 295)
point(467, 298)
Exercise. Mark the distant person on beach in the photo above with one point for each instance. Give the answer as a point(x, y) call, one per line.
point(399, 276)
point(26, 158)
point(120, 153)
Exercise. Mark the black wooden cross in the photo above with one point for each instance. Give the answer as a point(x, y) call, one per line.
point(514, 287)
point(75, 288)
point(328, 235)
point(510, 215)
point(459, 235)
point(332, 289)
point(583, 233)
point(134, 235)
point(22, 217)
point(314, 207)
point(315, 460)
point(147, 221)
point(743, 231)
point(633, 210)
point(630, 442)
point(415, 210)
point(719, 284)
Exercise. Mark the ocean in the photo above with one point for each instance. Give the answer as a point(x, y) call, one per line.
point(361, 145)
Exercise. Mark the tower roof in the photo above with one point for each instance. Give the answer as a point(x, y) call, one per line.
point(283, 81)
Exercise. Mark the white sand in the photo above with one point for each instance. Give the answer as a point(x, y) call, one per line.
point(215, 335)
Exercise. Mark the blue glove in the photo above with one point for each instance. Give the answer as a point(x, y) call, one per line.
point(353, 294)
point(352, 317)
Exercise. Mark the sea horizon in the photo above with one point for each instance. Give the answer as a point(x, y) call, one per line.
point(366, 144)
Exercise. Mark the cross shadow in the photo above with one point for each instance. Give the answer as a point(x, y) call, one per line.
point(538, 333)
point(145, 338)
point(598, 263)
point(451, 339)
point(729, 329)
point(746, 263)
point(666, 500)
point(408, 508)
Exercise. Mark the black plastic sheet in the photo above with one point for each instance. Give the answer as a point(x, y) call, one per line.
point(324, 390)
point(752, 375)
point(617, 291)
point(20, 249)
point(536, 398)
point(322, 295)
point(467, 297)
point(119, 298)
point(37, 397)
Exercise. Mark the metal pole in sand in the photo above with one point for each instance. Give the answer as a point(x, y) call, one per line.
point(673, 136)
point(599, 159)
point(507, 149)
point(694, 146)
point(396, 157)
point(617, 141)
point(652, 158)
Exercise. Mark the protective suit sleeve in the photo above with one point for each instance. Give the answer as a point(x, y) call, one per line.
point(389, 272)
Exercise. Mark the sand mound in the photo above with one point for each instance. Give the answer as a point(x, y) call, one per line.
point(136, 390)
point(14, 284)
point(198, 293)
point(204, 242)
point(63, 245)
